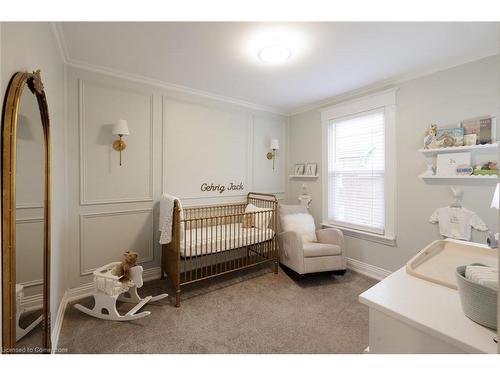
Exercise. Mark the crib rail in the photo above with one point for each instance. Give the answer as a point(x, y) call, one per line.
point(218, 239)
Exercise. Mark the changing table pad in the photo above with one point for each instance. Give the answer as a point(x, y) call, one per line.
point(438, 261)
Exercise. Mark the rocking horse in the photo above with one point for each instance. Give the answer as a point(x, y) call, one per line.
point(21, 332)
point(109, 289)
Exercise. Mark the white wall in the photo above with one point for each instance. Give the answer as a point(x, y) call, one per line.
point(445, 97)
point(177, 142)
point(27, 47)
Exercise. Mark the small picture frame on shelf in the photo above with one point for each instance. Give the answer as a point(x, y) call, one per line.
point(453, 164)
point(483, 127)
point(311, 169)
point(299, 169)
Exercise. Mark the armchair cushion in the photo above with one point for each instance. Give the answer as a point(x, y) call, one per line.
point(315, 249)
point(302, 223)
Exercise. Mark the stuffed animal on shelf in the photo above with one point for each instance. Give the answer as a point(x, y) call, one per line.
point(430, 137)
point(487, 169)
point(122, 270)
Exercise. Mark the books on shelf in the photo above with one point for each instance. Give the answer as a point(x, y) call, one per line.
point(450, 137)
point(482, 127)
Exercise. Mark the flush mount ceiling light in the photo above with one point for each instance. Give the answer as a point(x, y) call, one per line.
point(274, 44)
point(274, 54)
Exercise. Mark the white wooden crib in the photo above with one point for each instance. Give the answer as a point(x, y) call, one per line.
point(109, 289)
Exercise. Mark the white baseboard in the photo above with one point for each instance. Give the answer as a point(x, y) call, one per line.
point(31, 303)
point(366, 269)
point(83, 291)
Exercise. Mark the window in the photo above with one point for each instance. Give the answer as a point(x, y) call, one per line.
point(359, 164)
point(356, 171)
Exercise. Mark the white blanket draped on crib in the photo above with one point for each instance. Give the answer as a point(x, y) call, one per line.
point(166, 217)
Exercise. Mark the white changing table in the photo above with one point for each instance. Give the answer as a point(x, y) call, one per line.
point(411, 315)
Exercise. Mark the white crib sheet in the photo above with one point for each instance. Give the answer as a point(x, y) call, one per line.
point(215, 239)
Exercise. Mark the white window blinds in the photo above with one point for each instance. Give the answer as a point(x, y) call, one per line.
point(356, 167)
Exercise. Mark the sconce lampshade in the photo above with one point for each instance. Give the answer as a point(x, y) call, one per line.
point(494, 201)
point(121, 128)
point(275, 144)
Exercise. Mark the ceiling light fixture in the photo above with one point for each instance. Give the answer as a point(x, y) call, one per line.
point(274, 54)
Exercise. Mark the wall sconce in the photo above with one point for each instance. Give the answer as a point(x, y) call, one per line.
point(120, 129)
point(275, 145)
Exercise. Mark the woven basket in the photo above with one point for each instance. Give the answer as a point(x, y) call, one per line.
point(479, 303)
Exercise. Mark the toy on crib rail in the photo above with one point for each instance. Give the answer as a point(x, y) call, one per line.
point(123, 269)
point(119, 281)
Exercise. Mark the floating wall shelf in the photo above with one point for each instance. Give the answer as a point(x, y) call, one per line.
point(469, 178)
point(476, 149)
point(446, 150)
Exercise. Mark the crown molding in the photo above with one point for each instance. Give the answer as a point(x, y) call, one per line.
point(62, 45)
point(333, 100)
point(60, 41)
point(171, 86)
point(381, 85)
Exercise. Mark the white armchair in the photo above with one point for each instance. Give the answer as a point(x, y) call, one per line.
point(327, 254)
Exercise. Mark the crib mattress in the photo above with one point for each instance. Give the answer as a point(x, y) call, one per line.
point(216, 239)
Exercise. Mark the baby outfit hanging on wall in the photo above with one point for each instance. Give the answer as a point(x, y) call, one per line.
point(457, 222)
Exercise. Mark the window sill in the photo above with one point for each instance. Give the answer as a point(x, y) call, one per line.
point(379, 238)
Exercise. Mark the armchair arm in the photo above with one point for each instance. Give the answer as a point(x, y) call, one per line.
point(330, 235)
point(333, 236)
point(291, 250)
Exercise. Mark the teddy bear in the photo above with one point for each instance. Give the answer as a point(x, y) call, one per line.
point(123, 269)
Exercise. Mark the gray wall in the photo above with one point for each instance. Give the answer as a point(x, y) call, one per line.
point(177, 142)
point(26, 47)
point(444, 98)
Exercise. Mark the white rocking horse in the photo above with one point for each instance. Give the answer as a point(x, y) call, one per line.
point(109, 289)
point(21, 332)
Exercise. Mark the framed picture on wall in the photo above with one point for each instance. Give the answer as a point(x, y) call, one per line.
point(311, 169)
point(299, 169)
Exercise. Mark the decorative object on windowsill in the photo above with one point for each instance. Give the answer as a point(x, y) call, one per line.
point(274, 145)
point(299, 169)
point(120, 129)
point(305, 199)
point(311, 169)
point(487, 169)
point(430, 137)
point(109, 289)
point(450, 164)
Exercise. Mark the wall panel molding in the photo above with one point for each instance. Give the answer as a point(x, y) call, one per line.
point(84, 201)
point(144, 258)
point(248, 155)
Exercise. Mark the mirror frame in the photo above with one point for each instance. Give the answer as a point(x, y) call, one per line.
point(11, 106)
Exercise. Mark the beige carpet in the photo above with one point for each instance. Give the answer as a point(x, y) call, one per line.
point(254, 311)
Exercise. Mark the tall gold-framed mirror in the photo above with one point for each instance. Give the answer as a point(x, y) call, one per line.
point(25, 217)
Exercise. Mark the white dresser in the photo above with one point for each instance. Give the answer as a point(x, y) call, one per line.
point(411, 315)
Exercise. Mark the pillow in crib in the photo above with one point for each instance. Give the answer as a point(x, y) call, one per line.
point(261, 219)
point(302, 223)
